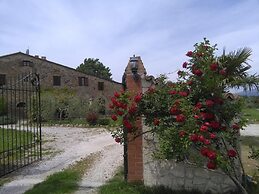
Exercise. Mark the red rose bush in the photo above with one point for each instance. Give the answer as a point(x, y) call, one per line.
point(193, 116)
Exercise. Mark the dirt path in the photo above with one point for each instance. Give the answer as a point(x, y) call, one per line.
point(69, 145)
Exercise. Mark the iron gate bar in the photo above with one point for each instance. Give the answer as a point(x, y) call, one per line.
point(21, 140)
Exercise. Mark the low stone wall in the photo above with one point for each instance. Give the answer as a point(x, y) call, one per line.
point(182, 175)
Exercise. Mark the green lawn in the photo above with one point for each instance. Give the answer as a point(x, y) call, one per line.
point(11, 138)
point(252, 114)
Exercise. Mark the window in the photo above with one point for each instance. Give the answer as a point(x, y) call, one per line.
point(27, 63)
point(2, 79)
point(100, 85)
point(56, 80)
point(83, 81)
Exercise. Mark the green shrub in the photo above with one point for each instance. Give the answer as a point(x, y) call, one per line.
point(104, 121)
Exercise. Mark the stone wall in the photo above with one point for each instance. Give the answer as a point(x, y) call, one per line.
point(181, 175)
point(20, 63)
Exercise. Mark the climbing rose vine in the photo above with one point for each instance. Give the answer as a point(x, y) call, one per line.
point(195, 116)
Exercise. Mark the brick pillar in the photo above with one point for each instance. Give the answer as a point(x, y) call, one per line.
point(135, 148)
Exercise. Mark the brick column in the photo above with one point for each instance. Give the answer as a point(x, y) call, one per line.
point(135, 147)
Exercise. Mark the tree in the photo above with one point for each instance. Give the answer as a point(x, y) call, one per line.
point(94, 67)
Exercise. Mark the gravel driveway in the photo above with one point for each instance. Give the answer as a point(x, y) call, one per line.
point(70, 145)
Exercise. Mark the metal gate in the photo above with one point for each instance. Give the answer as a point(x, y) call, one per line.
point(20, 126)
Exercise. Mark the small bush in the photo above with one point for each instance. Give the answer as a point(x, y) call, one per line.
point(92, 118)
point(104, 121)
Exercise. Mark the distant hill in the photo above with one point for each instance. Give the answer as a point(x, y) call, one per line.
point(249, 93)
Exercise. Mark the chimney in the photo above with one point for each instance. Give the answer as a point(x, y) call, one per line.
point(43, 57)
point(36, 56)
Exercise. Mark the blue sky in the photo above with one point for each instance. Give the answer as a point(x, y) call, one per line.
point(160, 31)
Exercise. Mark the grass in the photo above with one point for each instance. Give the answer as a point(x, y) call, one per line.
point(66, 181)
point(250, 165)
point(12, 138)
point(117, 185)
point(251, 114)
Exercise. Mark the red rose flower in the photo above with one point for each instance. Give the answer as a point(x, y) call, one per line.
point(114, 117)
point(207, 124)
point(156, 121)
point(209, 103)
point(204, 128)
point(212, 136)
point(127, 124)
point(138, 98)
point(116, 94)
point(194, 137)
point(235, 126)
point(211, 165)
point(198, 105)
point(232, 153)
point(206, 116)
point(185, 64)
point(198, 72)
point(196, 116)
point(132, 109)
point(201, 138)
point(215, 124)
point(182, 133)
point(189, 54)
point(114, 101)
point(213, 66)
point(183, 94)
point(206, 142)
point(180, 118)
point(204, 151)
point(223, 72)
point(175, 111)
point(117, 139)
point(120, 113)
point(212, 155)
point(123, 106)
point(173, 92)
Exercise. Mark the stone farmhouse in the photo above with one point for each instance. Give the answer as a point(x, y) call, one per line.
point(56, 76)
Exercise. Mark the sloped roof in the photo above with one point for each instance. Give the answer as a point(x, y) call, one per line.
point(45, 60)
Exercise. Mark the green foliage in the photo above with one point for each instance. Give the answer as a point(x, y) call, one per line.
point(94, 67)
point(63, 104)
point(104, 121)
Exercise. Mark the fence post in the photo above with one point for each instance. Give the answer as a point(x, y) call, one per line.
point(134, 73)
